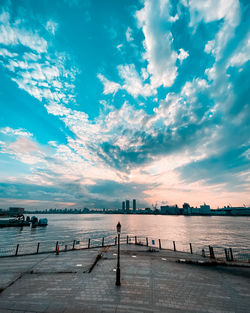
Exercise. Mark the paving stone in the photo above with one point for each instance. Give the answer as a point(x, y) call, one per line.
point(55, 284)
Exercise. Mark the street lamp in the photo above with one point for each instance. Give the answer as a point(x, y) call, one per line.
point(118, 273)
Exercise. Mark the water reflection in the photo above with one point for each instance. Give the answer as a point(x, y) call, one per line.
point(216, 230)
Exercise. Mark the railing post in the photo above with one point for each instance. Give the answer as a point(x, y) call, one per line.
point(37, 249)
point(211, 251)
point(160, 244)
point(66, 247)
point(135, 240)
point(102, 241)
point(191, 249)
point(231, 254)
point(17, 247)
point(127, 240)
point(57, 247)
point(74, 243)
point(147, 241)
point(174, 246)
point(226, 254)
point(89, 243)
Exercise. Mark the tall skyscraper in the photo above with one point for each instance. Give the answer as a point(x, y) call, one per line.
point(123, 206)
point(134, 205)
point(127, 205)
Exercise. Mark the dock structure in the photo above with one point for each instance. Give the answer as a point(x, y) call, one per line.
point(152, 280)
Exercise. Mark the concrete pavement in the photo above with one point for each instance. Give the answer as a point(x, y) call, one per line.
point(150, 282)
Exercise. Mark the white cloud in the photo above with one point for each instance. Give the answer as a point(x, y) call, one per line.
point(23, 145)
point(119, 47)
point(45, 78)
point(57, 109)
point(15, 35)
point(124, 118)
point(210, 11)
point(59, 162)
point(211, 73)
point(182, 55)
point(129, 36)
point(144, 74)
point(23, 149)
point(15, 132)
point(133, 83)
point(51, 27)
point(179, 109)
point(242, 53)
point(173, 18)
point(40, 72)
point(155, 21)
point(161, 69)
point(215, 10)
point(190, 89)
point(109, 86)
point(6, 53)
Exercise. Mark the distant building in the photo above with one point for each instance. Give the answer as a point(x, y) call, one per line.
point(169, 210)
point(127, 205)
point(186, 209)
point(16, 211)
point(147, 210)
point(232, 211)
point(243, 211)
point(205, 209)
point(134, 205)
point(123, 206)
point(195, 211)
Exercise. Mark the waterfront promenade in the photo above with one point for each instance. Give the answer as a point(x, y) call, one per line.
point(150, 282)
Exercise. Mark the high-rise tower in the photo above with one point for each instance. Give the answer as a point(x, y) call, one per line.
point(134, 205)
point(127, 206)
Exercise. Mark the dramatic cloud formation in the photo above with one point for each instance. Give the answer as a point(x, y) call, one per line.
point(152, 105)
point(156, 22)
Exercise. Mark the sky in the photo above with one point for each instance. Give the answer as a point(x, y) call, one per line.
point(102, 101)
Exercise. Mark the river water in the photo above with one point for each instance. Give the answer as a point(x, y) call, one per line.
point(219, 231)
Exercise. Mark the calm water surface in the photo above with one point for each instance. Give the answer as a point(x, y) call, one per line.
point(200, 230)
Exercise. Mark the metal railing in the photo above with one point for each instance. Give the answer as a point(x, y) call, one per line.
point(216, 252)
point(60, 246)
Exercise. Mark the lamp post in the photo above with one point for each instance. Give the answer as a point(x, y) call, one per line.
point(118, 273)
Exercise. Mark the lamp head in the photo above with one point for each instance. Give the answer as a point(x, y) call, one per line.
point(118, 227)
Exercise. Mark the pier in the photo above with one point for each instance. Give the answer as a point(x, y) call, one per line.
point(152, 280)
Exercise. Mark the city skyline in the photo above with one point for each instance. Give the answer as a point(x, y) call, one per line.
point(108, 100)
point(186, 209)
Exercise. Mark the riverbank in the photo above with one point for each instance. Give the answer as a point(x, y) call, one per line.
point(150, 282)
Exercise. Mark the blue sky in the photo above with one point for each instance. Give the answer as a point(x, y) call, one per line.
point(102, 101)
